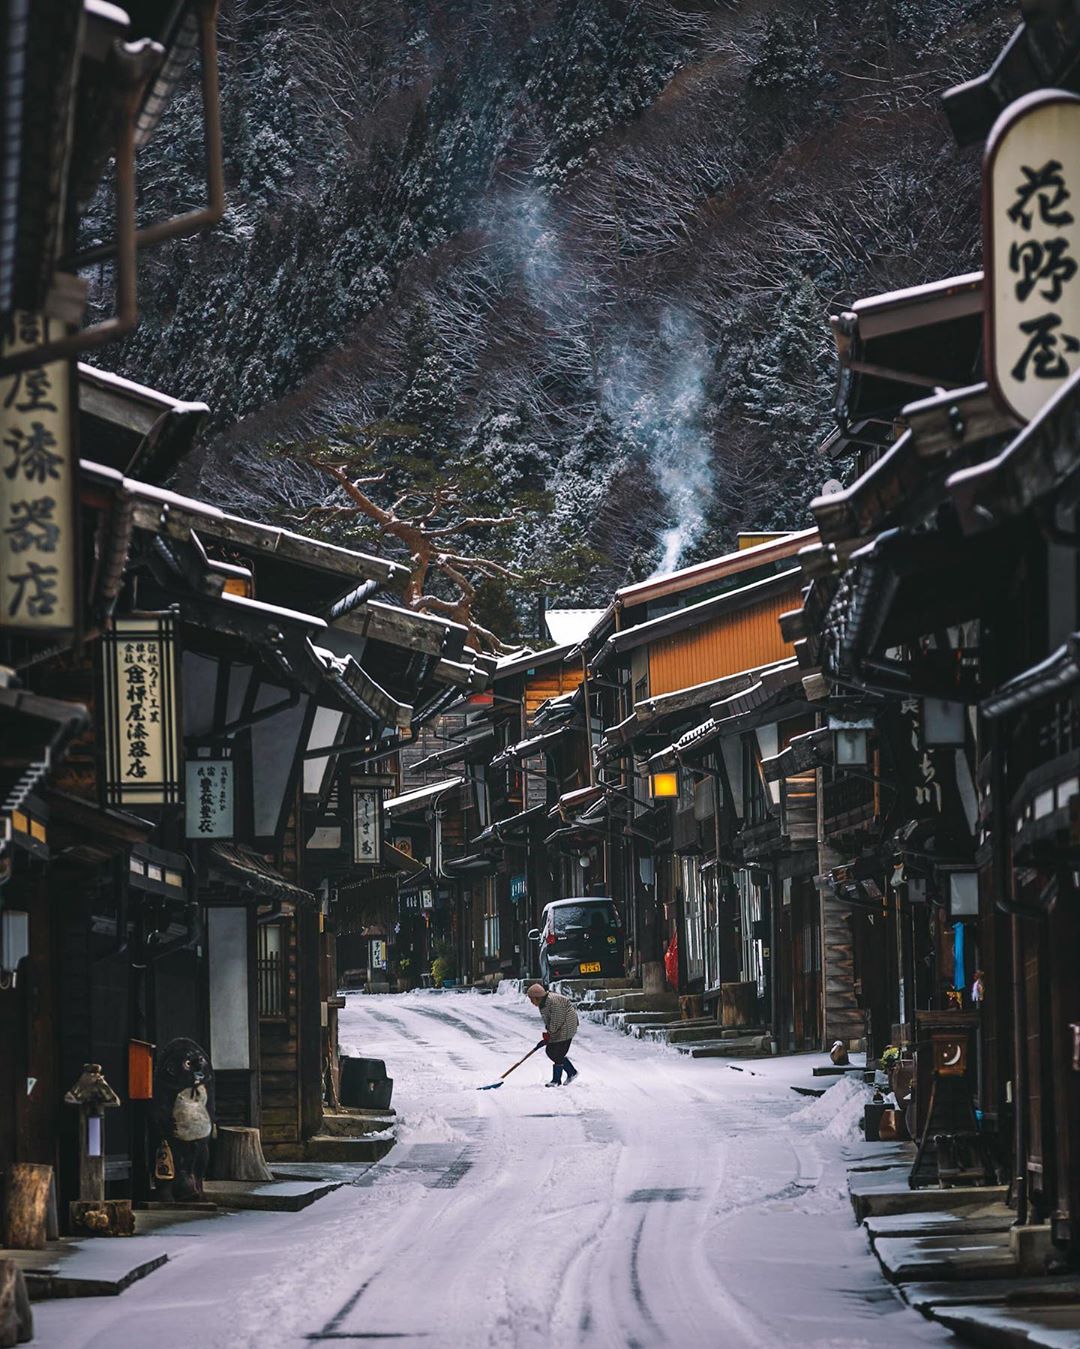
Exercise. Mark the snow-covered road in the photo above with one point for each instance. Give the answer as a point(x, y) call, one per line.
point(657, 1201)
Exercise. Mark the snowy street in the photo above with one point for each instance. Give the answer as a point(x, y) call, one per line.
point(658, 1200)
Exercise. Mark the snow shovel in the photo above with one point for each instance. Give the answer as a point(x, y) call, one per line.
point(492, 1085)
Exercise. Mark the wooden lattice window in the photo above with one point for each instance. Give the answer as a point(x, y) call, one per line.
point(271, 967)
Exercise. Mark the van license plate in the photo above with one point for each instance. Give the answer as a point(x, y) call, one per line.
point(589, 967)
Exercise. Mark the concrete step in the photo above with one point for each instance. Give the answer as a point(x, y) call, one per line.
point(1035, 1292)
point(276, 1196)
point(726, 1049)
point(1049, 1326)
point(970, 1221)
point(643, 1002)
point(578, 988)
point(88, 1267)
point(986, 1255)
point(624, 1019)
point(879, 1192)
point(331, 1148)
point(680, 1033)
point(355, 1123)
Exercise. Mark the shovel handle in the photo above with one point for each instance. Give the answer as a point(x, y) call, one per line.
point(520, 1061)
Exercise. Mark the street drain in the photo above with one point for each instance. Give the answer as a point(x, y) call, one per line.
point(661, 1196)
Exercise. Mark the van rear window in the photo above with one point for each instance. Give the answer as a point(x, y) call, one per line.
point(590, 917)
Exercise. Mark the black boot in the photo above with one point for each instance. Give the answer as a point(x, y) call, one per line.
point(571, 1071)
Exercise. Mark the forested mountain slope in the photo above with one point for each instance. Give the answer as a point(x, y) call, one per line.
point(578, 255)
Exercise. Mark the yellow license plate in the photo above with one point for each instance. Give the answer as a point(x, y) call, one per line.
point(589, 967)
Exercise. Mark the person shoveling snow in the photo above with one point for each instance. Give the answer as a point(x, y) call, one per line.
point(560, 1027)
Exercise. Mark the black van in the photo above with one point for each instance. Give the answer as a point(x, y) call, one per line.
point(578, 938)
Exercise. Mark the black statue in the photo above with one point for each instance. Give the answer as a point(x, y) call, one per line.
point(182, 1114)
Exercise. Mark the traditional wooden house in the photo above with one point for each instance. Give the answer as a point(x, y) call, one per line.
point(671, 655)
point(85, 84)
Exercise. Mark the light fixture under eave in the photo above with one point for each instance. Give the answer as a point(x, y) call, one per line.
point(663, 786)
point(963, 894)
point(851, 742)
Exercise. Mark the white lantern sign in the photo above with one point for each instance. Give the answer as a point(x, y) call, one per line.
point(142, 731)
point(1031, 221)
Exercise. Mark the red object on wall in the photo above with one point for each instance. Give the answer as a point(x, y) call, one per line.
point(671, 962)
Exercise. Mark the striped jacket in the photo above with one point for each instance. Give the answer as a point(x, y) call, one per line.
point(560, 1018)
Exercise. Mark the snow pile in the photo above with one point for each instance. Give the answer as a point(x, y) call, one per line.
point(426, 1126)
point(839, 1112)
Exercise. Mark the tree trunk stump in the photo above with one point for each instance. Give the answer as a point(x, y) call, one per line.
point(26, 1206)
point(16, 1319)
point(238, 1155)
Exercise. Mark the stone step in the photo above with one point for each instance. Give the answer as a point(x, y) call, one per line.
point(88, 1267)
point(681, 1033)
point(1038, 1291)
point(624, 1019)
point(643, 1002)
point(577, 988)
point(986, 1255)
point(1047, 1326)
point(276, 1196)
point(356, 1123)
point(726, 1049)
point(331, 1148)
point(879, 1192)
point(971, 1221)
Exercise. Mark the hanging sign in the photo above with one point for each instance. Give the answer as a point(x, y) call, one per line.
point(209, 798)
point(367, 839)
point(1031, 223)
point(142, 731)
point(519, 886)
point(38, 462)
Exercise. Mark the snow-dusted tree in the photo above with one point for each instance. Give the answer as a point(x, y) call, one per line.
point(430, 520)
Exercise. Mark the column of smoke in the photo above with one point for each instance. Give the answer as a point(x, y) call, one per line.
point(650, 377)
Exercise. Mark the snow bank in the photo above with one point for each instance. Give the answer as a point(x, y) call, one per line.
point(426, 1126)
point(839, 1112)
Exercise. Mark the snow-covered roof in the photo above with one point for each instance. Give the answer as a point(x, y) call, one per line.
point(98, 389)
point(397, 805)
point(569, 626)
point(714, 569)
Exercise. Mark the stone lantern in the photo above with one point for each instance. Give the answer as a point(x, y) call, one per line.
point(92, 1214)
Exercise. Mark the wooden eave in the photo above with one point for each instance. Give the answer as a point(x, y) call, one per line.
point(1031, 468)
point(1042, 53)
point(396, 626)
point(716, 569)
point(135, 407)
point(159, 511)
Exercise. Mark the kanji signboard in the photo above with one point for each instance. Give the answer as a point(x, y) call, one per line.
point(1032, 243)
point(367, 836)
point(142, 732)
point(208, 796)
point(38, 548)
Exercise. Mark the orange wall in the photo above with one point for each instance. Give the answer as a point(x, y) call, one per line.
point(552, 683)
point(724, 646)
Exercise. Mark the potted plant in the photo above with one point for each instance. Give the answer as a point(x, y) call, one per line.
point(403, 981)
point(444, 968)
